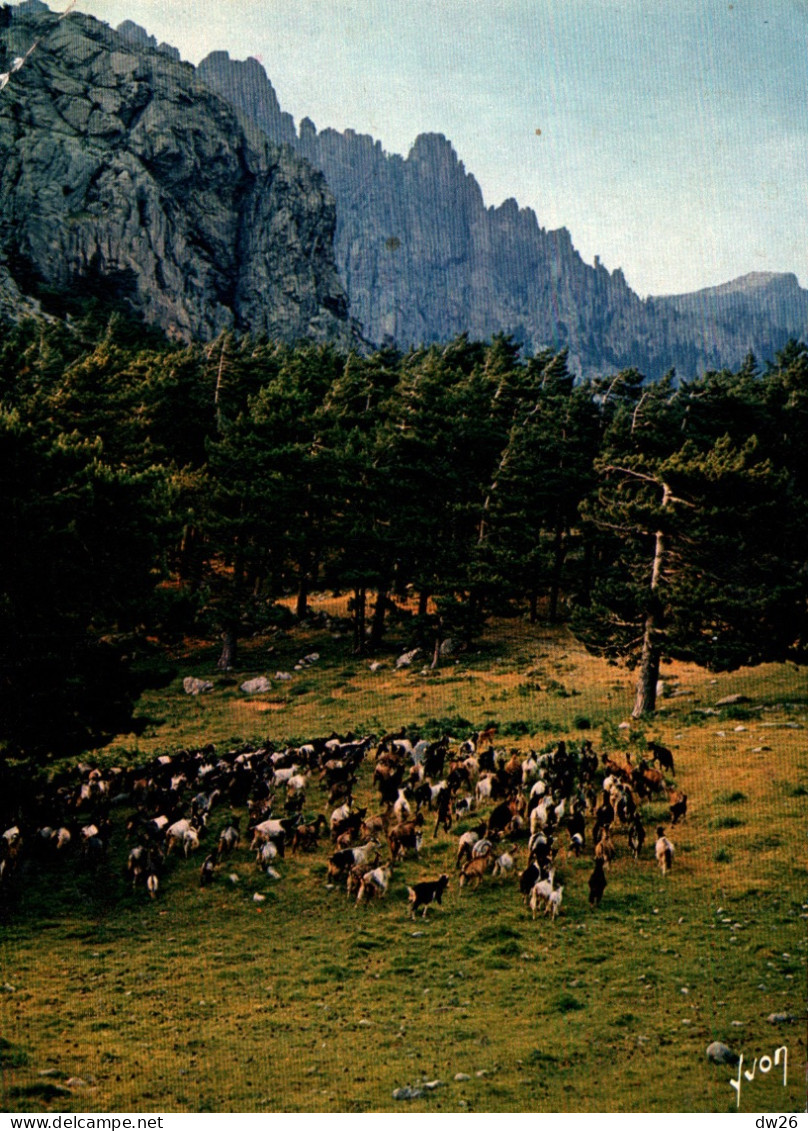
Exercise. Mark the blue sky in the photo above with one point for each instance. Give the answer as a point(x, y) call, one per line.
point(674, 135)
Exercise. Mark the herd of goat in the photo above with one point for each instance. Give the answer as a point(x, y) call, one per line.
point(541, 805)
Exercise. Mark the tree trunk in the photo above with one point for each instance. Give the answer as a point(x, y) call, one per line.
point(533, 613)
point(360, 607)
point(645, 701)
point(377, 623)
point(302, 603)
point(423, 603)
point(232, 612)
point(229, 654)
point(188, 566)
point(438, 642)
point(559, 554)
point(587, 570)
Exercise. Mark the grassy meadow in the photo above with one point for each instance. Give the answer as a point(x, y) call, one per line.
point(205, 1000)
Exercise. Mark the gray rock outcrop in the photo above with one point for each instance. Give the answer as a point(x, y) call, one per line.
point(122, 175)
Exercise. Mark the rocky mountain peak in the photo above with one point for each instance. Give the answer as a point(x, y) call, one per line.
point(124, 174)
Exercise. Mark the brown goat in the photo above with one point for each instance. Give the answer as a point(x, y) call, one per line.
point(604, 849)
point(474, 870)
point(405, 835)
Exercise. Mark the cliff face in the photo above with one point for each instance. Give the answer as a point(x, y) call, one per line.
point(423, 259)
point(122, 174)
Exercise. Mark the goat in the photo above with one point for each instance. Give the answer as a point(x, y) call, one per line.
point(530, 876)
point(538, 789)
point(296, 783)
point(466, 842)
point(576, 844)
point(138, 863)
point(540, 893)
point(276, 829)
point(485, 788)
point(678, 805)
point(463, 806)
point(402, 809)
point(374, 884)
point(475, 868)
point(208, 870)
point(617, 769)
point(604, 849)
point(374, 826)
point(405, 835)
point(229, 839)
point(505, 863)
point(597, 883)
point(306, 835)
point(425, 893)
point(647, 781)
point(338, 817)
point(529, 770)
point(553, 904)
point(661, 755)
point(175, 834)
point(267, 852)
point(540, 815)
point(636, 836)
point(499, 819)
point(663, 850)
point(625, 806)
point(363, 856)
point(350, 824)
point(443, 804)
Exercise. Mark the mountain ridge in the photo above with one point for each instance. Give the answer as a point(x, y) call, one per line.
point(466, 266)
point(189, 194)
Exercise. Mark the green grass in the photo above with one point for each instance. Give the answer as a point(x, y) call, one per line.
point(207, 1001)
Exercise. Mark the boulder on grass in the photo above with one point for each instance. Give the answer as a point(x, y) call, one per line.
point(193, 686)
point(257, 686)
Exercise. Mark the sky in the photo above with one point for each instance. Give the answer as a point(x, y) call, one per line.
point(669, 136)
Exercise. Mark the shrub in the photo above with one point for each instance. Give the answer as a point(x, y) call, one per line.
point(454, 725)
point(731, 798)
point(737, 712)
point(11, 1056)
point(515, 728)
point(567, 1003)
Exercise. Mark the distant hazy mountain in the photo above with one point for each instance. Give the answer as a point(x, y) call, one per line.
point(122, 175)
point(757, 313)
point(423, 259)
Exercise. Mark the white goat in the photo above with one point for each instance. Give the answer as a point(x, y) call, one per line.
point(540, 894)
point(402, 810)
point(663, 851)
point(553, 904)
point(374, 884)
point(503, 865)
